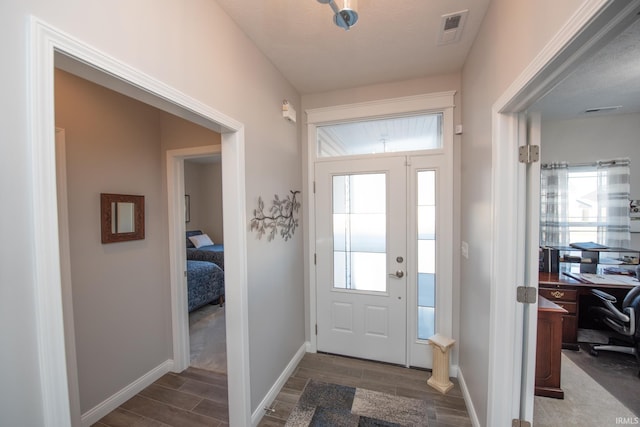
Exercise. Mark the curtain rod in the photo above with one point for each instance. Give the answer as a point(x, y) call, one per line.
point(596, 163)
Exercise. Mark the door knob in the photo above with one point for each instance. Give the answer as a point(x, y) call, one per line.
point(399, 274)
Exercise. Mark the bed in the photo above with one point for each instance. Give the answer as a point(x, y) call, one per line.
point(212, 253)
point(205, 283)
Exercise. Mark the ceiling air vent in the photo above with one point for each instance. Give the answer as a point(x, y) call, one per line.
point(603, 109)
point(451, 26)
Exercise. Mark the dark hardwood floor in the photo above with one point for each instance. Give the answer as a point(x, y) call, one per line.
point(191, 398)
point(199, 398)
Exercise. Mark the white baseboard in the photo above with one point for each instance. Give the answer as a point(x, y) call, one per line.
point(454, 371)
point(277, 386)
point(467, 400)
point(310, 347)
point(94, 414)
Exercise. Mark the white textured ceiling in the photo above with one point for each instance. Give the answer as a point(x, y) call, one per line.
point(392, 40)
point(397, 40)
point(610, 77)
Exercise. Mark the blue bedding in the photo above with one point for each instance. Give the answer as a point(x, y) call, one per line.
point(205, 283)
point(211, 253)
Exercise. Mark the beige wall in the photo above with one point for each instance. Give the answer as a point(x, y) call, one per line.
point(398, 89)
point(203, 183)
point(120, 291)
point(112, 147)
point(512, 34)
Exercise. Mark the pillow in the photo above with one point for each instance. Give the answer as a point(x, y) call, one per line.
point(192, 233)
point(201, 240)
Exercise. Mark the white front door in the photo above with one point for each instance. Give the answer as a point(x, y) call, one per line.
point(380, 270)
point(361, 258)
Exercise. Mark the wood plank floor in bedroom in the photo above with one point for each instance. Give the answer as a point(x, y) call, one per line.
point(198, 398)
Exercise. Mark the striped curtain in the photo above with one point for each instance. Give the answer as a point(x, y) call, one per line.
point(613, 202)
point(554, 230)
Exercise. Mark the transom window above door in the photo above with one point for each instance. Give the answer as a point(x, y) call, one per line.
point(390, 135)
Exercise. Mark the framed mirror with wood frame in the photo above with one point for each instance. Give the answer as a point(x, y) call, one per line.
point(121, 217)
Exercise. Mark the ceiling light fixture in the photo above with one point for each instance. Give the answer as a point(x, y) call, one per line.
point(345, 17)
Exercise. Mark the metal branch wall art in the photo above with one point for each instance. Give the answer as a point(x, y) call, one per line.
point(279, 219)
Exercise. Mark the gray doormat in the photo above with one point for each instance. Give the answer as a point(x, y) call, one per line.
point(325, 404)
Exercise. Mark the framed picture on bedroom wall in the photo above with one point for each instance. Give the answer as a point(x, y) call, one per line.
point(187, 208)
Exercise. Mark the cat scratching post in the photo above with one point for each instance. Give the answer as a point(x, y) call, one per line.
point(440, 371)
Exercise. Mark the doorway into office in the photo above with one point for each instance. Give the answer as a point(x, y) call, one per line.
point(513, 195)
point(578, 144)
point(48, 43)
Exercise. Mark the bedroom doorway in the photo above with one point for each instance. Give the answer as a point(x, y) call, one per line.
point(203, 217)
point(52, 49)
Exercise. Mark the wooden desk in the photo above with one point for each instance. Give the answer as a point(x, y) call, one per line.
point(566, 292)
point(549, 349)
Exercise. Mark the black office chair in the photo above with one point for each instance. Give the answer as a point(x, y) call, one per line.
point(625, 323)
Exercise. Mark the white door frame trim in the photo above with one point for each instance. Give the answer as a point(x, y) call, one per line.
point(177, 261)
point(583, 34)
point(235, 266)
point(65, 277)
point(45, 41)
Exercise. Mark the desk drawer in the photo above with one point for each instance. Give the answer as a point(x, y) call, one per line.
point(558, 294)
point(569, 306)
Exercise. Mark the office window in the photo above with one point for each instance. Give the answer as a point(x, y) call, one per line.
point(585, 203)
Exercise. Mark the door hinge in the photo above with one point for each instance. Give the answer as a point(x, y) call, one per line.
point(529, 153)
point(527, 294)
point(314, 187)
point(520, 423)
point(315, 259)
point(316, 329)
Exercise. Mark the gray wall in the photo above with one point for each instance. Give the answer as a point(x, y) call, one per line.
point(112, 146)
point(193, 47)
point(120, 291)
point(203, 183)
point(586, 140)
point(512, 34)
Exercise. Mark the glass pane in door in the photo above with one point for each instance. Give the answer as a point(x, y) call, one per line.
point(359, 232)
point(426, 253)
